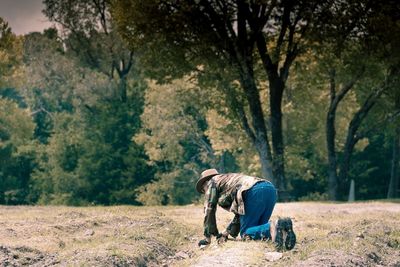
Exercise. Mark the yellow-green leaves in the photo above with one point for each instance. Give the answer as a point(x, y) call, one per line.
point(16, 125)
point(10, 52)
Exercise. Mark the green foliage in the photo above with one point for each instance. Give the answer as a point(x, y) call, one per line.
point(175, 141)
point(315, 196)
point(169, 188)
point(371, 168)
point(16, 132)
point(10, 52)
point(87, 155)
point(91, 159)
point(80, 125)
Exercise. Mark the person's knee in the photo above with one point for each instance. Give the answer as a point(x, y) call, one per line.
point(257, 232)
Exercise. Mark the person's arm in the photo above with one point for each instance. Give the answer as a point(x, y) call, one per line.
point(233, 228)
point(210, 207)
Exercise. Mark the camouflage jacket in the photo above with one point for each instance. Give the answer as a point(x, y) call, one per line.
point(226, 190)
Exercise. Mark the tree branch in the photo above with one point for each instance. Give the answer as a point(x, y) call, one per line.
point(346, 88)
point(101, 8)
point(284, 27)
point(332, 85)
point(42, 109)
point(366, 107)
point(269, 67)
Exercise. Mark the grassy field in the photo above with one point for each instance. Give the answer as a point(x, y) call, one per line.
point(357, 234)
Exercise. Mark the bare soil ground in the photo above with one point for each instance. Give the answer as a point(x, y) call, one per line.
point(357, 234)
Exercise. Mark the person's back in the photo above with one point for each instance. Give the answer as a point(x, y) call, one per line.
point(230, 188)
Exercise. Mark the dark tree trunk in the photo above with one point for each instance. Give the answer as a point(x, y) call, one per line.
point(345, 162)
point(242, 52)
point(122, 88)
point(260, 138)
point(265, 159)
point(239, 40)
point(123, 69)
point(276, 91)
point(331, 135)
point(353, 136)
point(332, 164)
point(259, 141)
point(394, 173)
point(335, 99)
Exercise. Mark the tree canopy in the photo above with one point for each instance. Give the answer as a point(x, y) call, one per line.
point(126, 101)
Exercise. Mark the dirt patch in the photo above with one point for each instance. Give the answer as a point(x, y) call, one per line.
point(339, 258)
point(72, 215)
point(335, 258)
point(98, 236)
point(220, 256)
point(25, 256)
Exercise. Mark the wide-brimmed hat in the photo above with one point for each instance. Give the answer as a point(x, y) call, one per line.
point(205, 176)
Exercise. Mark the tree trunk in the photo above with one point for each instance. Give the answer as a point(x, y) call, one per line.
point(332, 164)
point(260, 130)
point(266, 168)
point(353, 137)
point(258, 134)
point(335, 99)
point(122, 88)
point(276, 91)
point(394, 173)
point(345, 163)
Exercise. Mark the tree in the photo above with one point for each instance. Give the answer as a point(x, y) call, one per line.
point(90, 159)
point(16, 131)
point(10, 52)
point(393, 187)
point(16, 126)
point(89, 34)
point(174, 135)
point(258, 40)
point(384, 37)
point(337, 181)
point(87, 155)
point(353, 66)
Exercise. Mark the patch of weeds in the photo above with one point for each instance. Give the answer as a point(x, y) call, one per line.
point(330, 243)
point(394, 240)
point(137, 237)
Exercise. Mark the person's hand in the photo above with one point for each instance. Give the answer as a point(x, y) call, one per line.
point(204, 242)
point(222, 238)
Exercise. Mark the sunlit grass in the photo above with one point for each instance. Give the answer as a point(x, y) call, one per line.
point(138, 235)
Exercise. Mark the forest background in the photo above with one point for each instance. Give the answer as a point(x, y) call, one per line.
point(126, 101)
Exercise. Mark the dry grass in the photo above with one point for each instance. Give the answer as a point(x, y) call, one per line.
point(359, 234)
point(88, 236)
point(356, 234)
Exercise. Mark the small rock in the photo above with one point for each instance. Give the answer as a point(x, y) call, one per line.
point(182, 255)
point(61, 244)
point(89, 232)
point(273, 256)
point(203, 246)
point(360, 235)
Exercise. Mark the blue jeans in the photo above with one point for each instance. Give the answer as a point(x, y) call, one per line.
point(259, 202)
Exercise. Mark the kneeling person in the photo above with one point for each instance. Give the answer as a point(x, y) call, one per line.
point(252, 200)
